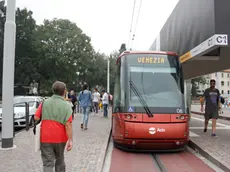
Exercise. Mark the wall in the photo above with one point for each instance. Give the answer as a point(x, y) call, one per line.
point(191, 22)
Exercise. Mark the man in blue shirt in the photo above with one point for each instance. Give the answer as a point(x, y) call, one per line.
point(85, 99)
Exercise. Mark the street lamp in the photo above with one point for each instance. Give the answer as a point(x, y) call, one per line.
point(77, 79)
point(8, 76)
point(108, 76)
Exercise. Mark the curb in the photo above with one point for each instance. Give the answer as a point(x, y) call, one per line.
point(220, 117)
point(209, 157)
point(103, 153)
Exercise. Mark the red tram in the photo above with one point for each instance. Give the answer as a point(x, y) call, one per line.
point(150, 111)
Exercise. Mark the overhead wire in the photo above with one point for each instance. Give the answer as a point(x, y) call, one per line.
point(131, 25)
point(135, 28)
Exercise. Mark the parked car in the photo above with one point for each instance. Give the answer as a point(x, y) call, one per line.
point(20, 109)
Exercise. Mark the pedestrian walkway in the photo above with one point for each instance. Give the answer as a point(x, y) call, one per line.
point(215, 149)
point(226, 115)
point(87, 155)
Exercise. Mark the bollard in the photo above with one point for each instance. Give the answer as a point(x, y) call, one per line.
point(27, 116)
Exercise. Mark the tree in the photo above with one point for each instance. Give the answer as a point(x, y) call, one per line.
point(122, 49)
point(113, 69)
point(25, 26)
point(63, 50)
point(25, 54)
point(55, 50)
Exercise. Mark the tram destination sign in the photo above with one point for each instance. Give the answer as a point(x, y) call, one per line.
point(154, 60)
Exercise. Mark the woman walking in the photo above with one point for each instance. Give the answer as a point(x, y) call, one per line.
point(85, 98)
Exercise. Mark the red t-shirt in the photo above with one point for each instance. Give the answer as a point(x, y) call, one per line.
point(52, 131)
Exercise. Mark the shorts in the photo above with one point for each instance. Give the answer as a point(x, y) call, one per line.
point(211, 115)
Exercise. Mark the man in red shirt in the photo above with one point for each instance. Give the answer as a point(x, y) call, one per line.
point(56, 129)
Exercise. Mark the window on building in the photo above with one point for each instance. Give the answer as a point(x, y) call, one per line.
point(228, 75)
point(222, 83)
point(228, 83)
point(228, 91)
point(222, 91)
point(222, 75)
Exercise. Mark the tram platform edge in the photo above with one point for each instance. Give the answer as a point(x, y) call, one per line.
point(220, 117)
point(198, 149)
point(104, 150)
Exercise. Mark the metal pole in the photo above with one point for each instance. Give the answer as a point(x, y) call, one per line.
point(8, 75)
point(188, 94)
point(13, 127)
point(27, 116)
point(108, 77)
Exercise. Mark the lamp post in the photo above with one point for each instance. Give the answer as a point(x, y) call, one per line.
point(77, 79)
point(8, 76)
point(108, 76)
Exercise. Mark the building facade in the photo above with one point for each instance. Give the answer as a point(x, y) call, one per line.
point(222, 82)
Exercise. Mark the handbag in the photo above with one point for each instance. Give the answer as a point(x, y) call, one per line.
point(36, 131)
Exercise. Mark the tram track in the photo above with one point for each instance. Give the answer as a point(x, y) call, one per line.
point(158, 163)
point(118, 160)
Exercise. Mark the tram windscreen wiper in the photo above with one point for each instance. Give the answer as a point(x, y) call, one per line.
point(144, 104)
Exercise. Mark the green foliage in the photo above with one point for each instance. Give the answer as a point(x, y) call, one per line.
point(56, 50)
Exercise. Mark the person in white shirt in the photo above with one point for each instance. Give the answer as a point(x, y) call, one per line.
point(96, 99)
point(105, 102)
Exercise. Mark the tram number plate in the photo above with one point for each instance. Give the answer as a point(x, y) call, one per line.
point(179, 110)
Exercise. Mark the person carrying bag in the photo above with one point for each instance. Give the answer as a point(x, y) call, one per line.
point(36, 131)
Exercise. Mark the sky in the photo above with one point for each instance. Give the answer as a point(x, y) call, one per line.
point(107, 22)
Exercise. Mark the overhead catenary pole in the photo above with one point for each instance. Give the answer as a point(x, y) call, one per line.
point(8, 76)
point(108, 90)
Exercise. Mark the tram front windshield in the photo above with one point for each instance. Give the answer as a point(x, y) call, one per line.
point(158, 81)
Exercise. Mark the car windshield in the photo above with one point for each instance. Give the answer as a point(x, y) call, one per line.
point(20, 101)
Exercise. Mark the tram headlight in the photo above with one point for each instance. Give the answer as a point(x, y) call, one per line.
point(128, 116)
point(177, 143)
point(182, 117)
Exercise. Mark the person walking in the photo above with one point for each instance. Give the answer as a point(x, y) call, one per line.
point(96, 99)
point(85, 98)
point(212, 98)
point(72, 99)
point(55, 115)
point(105, 102)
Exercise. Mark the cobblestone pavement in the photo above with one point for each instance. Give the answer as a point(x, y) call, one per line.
point(217, 147)
point(86, 155)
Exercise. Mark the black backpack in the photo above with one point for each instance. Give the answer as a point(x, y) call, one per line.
point(222, 100)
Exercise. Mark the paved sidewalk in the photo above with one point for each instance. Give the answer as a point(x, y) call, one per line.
point(226, 115)
point(215, 149)
point(86, 156)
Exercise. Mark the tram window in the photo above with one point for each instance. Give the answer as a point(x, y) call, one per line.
point(160, 87)
point(119, 92)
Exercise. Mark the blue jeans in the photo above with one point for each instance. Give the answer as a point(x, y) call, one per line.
point(95, 107)
point(85, 116)
point(105, 106)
